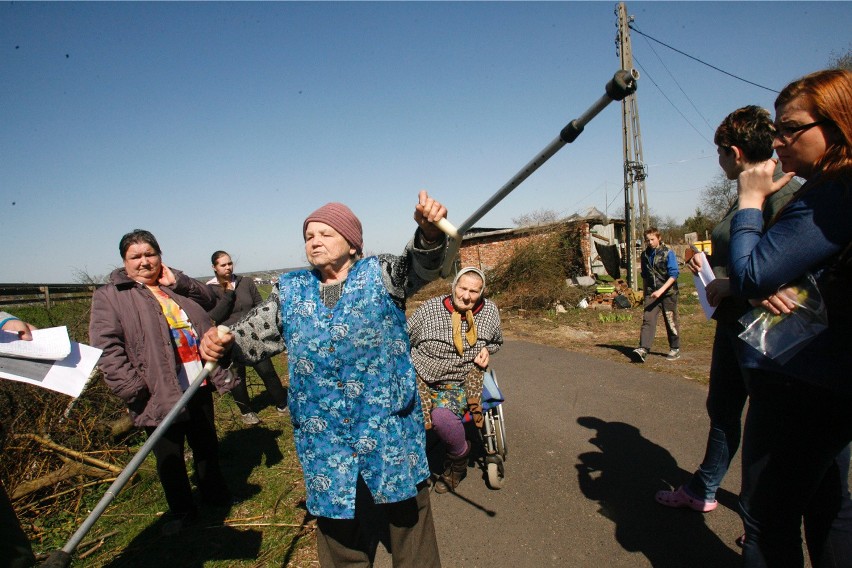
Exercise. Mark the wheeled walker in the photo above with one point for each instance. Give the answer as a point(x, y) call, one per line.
point(493, 431)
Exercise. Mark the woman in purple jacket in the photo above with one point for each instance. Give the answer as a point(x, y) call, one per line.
point(148, 321)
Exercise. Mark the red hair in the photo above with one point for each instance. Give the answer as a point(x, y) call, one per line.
point(828, 93)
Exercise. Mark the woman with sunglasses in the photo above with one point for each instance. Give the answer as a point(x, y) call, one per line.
point(800, 412)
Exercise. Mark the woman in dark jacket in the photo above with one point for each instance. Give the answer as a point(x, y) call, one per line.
point(238, 295)
point(147, 321)
point(799, 416)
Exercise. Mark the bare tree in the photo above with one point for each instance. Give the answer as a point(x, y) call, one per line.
point(538, 217)
point(669, 227)
point(82, 276)
point(841, 60)
point(717, 197)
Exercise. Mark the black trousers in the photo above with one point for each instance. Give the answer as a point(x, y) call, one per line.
point(15, 549)
point(200, 432)
point(270, 379)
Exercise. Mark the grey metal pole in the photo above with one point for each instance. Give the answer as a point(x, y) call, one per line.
point(62, 557)
point(622, 84)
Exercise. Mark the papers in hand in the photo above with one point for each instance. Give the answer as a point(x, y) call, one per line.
point(68, 375)
point(704, 277)
point(51, 343)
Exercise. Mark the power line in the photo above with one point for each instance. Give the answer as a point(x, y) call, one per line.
point(663, 63)
point(647, 75)
point(632, 27)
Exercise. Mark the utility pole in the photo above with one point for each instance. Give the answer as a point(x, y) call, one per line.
point(635, 170)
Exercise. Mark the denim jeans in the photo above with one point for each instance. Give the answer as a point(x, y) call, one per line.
point(726, 398)
point(795, 435)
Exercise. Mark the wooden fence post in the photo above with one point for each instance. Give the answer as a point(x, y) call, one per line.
point(46, 291)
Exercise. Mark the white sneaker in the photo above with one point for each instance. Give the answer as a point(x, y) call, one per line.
point(250, 419)
point(640, 353)
point(673, 355)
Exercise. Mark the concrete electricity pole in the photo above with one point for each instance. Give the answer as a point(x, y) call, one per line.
point(635, 170)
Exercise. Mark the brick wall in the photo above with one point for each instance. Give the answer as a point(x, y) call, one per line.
point(486, 254)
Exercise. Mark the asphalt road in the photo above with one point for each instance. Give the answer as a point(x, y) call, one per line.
point(590, 442)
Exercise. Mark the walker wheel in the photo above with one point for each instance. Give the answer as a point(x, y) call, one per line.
point(496, 472)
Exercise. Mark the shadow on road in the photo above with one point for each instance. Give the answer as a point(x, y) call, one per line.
point(624, 350)
point(622, 478)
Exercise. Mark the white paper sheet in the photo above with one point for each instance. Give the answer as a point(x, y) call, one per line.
point(704, 277)
point(68, 376)
point(48, 343)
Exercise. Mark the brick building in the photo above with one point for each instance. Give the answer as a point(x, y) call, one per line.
point(601, 239)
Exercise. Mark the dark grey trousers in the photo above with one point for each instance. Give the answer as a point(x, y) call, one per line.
point(405, 527)
point(667, 305)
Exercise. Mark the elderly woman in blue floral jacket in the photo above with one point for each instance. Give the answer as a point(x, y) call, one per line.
point(354, 404)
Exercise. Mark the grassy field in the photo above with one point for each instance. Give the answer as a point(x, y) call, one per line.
point(270, 526)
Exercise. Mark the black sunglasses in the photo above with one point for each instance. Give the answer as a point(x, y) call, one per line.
point(785, 132)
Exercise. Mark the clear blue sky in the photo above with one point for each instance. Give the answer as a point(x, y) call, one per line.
point(222, 125)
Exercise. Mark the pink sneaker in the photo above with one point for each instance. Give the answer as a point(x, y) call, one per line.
point(680, 498)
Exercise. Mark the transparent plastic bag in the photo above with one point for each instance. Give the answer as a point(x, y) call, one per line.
point(780, 337)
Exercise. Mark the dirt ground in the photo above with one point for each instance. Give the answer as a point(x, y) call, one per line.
point(613, 335)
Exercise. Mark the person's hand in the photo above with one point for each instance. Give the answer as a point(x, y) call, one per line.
point(655, 294)
point(167, 277)
point(694, 263)
point(717, 290)
point(22, 328)
point(755, 184)
point(213, 347)
point(482, 358)
point(782, 302)
point(427, 212)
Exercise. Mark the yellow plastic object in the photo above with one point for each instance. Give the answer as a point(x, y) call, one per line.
point(704, 246)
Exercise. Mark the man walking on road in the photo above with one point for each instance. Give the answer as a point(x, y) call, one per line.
point(659, 273)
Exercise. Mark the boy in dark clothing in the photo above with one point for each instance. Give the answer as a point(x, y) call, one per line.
point(659, 273)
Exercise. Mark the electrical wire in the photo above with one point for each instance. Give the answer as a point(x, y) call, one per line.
point(646, 74)
point(663, 63)
point(632, 27)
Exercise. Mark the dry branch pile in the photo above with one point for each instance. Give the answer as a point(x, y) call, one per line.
point(55, 453)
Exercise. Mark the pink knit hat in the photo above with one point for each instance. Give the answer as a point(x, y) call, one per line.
point(340, 218)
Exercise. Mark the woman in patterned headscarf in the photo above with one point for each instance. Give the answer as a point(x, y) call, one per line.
point(452, 339)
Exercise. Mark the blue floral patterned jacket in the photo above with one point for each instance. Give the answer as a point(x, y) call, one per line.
point(353, 398)
point(352, 391)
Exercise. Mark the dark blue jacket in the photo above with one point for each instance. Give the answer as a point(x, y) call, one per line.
point(808, 236)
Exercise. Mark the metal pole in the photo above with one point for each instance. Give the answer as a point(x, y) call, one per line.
point(62, 558)
point(622, 84)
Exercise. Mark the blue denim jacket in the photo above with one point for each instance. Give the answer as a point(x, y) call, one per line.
point(806, 237)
